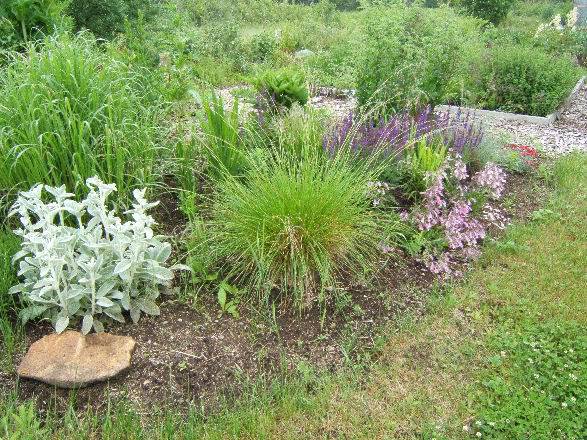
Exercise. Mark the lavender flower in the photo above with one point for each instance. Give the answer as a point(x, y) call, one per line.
point(394, 135)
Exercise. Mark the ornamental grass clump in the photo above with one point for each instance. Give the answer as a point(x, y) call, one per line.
point(79, 260)
point(293, 225)
point(69, 111)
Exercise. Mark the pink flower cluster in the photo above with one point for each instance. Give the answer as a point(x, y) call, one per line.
point(434, 204)
point(491, 177)
point(461, 229)
point(453, 213)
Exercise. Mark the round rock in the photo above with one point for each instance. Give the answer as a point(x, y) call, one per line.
point(72, 360)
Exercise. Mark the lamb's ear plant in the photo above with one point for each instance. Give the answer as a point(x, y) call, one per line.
point(80, 261)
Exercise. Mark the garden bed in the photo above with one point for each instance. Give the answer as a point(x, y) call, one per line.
point(192, 353)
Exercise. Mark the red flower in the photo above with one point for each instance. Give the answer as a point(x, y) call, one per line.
point(524, 150)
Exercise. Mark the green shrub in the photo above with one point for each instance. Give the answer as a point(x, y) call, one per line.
point(105, 18)
point(409, 60)
point(521, 79)
point(22, 21)
point(68, 112)
point(294, 224)
point(282, 87)
point(535, 385)
point(493, 11)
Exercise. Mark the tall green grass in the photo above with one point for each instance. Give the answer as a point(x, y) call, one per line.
point(69, 111)
point(293, 224)
point(9, 332)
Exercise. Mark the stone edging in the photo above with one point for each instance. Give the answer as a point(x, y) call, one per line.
point(538, 120)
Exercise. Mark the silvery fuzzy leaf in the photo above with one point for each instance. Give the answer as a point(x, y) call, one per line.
point(115, 313)
point(117, 294)
point(122, 266)
point(19, 288)
point(98, 326)
point(59, 192)
point(104, 302)
point(181, 267)
point(135, 314)
point(125, 301)
point(87, 324)
point(61, 324)
point(76, 292)
point(160, 272)
point(149, 307)
point(106, 288)
point(73, 307)
point(32, 312)
point(161, 252)
point(20, 254)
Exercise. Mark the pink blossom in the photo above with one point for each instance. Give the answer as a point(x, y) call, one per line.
point(493, 178)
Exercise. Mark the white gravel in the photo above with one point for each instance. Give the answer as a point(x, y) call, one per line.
point(567, 134)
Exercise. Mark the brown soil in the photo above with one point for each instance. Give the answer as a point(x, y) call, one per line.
point(193, 353)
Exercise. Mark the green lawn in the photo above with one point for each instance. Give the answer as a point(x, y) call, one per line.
point(501, 354)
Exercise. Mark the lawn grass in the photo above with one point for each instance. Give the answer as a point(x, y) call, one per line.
point(430, 379)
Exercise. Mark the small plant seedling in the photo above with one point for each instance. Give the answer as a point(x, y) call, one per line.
point(228, 298)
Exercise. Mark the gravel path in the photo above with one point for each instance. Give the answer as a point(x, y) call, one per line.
point(567, 134)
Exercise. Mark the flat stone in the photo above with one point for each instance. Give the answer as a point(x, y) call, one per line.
point(71, 360)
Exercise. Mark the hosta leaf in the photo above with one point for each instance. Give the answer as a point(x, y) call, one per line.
point(87, 324)
point(61, 324)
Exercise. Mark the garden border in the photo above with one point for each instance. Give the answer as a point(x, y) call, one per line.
point(538, 120)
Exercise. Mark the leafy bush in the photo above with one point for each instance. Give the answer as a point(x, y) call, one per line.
point(521, 80)
point(281, 88)
point(22, 21)
point(94, 269)
point(105, 18)
point(294, 225)
point(493, 11)
point(535, 384)
point(69, 112)
point(409, 61)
